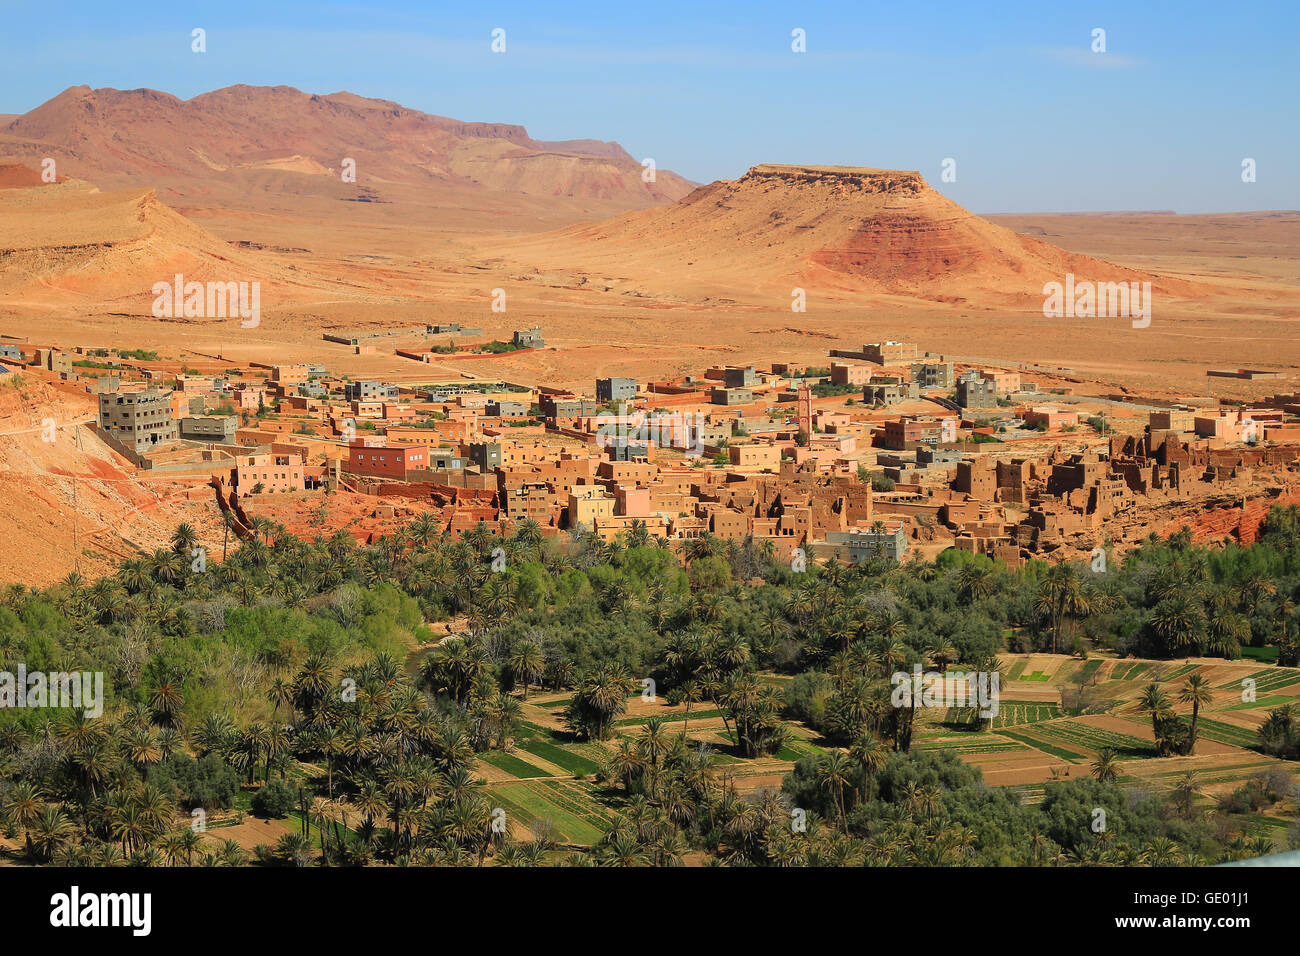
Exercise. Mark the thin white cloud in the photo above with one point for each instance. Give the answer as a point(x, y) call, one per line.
point(1084, 57)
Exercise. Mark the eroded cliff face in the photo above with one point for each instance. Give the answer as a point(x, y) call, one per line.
point(849, 179)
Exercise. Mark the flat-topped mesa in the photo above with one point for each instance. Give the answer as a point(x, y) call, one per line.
point(861, 178)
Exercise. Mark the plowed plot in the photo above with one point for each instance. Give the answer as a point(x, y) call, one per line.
point(1211, 770)
point(253, 831)
point(1020, 769)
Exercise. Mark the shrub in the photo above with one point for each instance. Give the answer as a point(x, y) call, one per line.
point(208, 782)
point(274, 800)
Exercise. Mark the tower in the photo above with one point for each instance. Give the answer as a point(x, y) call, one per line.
point(805, 408)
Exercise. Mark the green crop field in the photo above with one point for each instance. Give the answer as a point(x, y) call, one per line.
point(1010, 713)
point(512, 765)
point(574, 819)
point(1126, 747)
point(1128, 670)
point(1227, 733)
point(1048, 748)
point(570, 761)
point(975, 744)
point(1178, 672)
point(1272, 678)
point(1274, 701)
point(677, 717)
point(1090, 667)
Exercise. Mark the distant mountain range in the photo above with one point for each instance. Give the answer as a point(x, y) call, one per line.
point(243, 140)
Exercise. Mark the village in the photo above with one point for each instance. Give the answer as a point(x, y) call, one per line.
point(886, 451)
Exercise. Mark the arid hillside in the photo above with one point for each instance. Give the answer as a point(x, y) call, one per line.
point(277, 150)
point(67, 501)
point(835, 230)
point(1261, 248)
point(70, 245)
point(18, 176)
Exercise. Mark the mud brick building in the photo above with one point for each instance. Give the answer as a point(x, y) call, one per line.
point(906, 433)
point(850, 373)
point(885, 395)
point(533, 499)
point(888, 542)
point(731, 396)
point(1004, 382)
point(1051, 418)
point(889, 353)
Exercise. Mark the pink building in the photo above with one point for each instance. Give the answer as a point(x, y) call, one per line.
point(269, 474)
point(1053, 418)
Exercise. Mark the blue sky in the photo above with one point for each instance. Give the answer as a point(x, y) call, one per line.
point(1035, 120)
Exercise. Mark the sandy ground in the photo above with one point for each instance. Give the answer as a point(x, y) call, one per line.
point(253, 831)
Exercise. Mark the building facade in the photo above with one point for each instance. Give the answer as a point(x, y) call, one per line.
point(615, 390)
point(140, 420)
point(269, 474)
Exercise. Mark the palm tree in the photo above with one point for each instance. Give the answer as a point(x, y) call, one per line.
point(834, 773)
point(1154, 702)
point(1196, 691)
point(329, 741)
point(975, 581)
point(184, 539)
point(1186, 789)
point(1160, 851)
point(1061, 594)
point(50, 831)
point(1106, 767)
point(654, 744)
point(869, 754)
point(691, 694)
point(1179, 621)
point(527, 663)
point(626, 763)
point(166, 701)
point(141, 748)
point(22, 808)
point(1278, 733)
point(423, 528)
